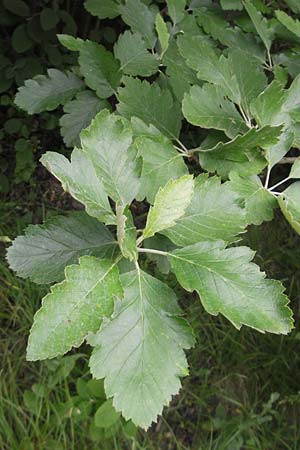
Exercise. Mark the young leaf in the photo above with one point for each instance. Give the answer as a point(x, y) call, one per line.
point(126, 232)
point(72, 122)
point(141, 20)
point(161, 162)
point(100, 69)
point(206, 107)
point(131, 51)
point(257, 200)
point(139, 351)
point(289, 202)
point(176, 10)
point(106, 142)
point(47, 92)
point(228, 283)
point(78, 177)
point(163, 34)
point(260, 23)
point(151, 104)
point(170, 204)
point(288, 22)
point(213, 214)
point(45, 250)
point(105, 9)
point(74, 307)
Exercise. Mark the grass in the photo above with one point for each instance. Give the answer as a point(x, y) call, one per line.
point(242, 393)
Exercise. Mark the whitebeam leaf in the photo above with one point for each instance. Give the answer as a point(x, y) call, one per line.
point(258, 202)
point(126, 232)
point(207, 107)
point(213, 214)
point(47, 92)
point(151, 104)
point(161, 162)
point(74, 307)
point(78, 177)
point(107, 143)
point(140, 18)
point(99, 68)
point(139, 351)
point(133, 55)
point(170, 204)
point(260, 23)
point(228, 283)
point(78, 114)
point(289, 202)
point(45, 250)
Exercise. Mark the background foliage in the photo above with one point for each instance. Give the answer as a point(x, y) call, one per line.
point(243, 391)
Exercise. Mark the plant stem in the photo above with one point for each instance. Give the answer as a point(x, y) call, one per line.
point(185, 150)
point(152, 250)
point(278, 184)
point(268, 177)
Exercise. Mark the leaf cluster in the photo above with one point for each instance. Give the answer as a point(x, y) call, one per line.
point(189, 113)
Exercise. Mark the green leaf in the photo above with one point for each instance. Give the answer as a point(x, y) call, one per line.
point(228, 283)
point(126, 232)
point(104, 9)
point(45, 250)
point(276, 106)
point(242, 154)
point(274, 153)
point(295, 169)
point(79, 178)
point(170, 204)
point(257, 200)
point(289, 202)
point(100, 69)
point(235, 5)
point(106, 415)
point(17, 7)
point(140, 99)
point(206, 107)
point(260, 23)
point(180, 76)
point(240, 76)
point(176, 10)
point(49, 19)
point(78, 115)
point(107, 143)
point(161, 162)
point(74, 307)
point(135, 59)
point(163, 34)
point(139, 377)
point(288, 22)
point(141, 20)
point(47, 92)
point(70, 42)
point(213, 214)
point(20, 40)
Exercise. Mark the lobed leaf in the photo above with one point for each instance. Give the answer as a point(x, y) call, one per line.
point(79, 178)
point(212, 214)
point(140, 378)
point(47, 92)
point(45, 250)
point(107, 144)
point(228, 283)
point(140, 99)
point(74, 308)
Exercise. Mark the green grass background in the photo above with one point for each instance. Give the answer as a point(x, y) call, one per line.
point(242, 392)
